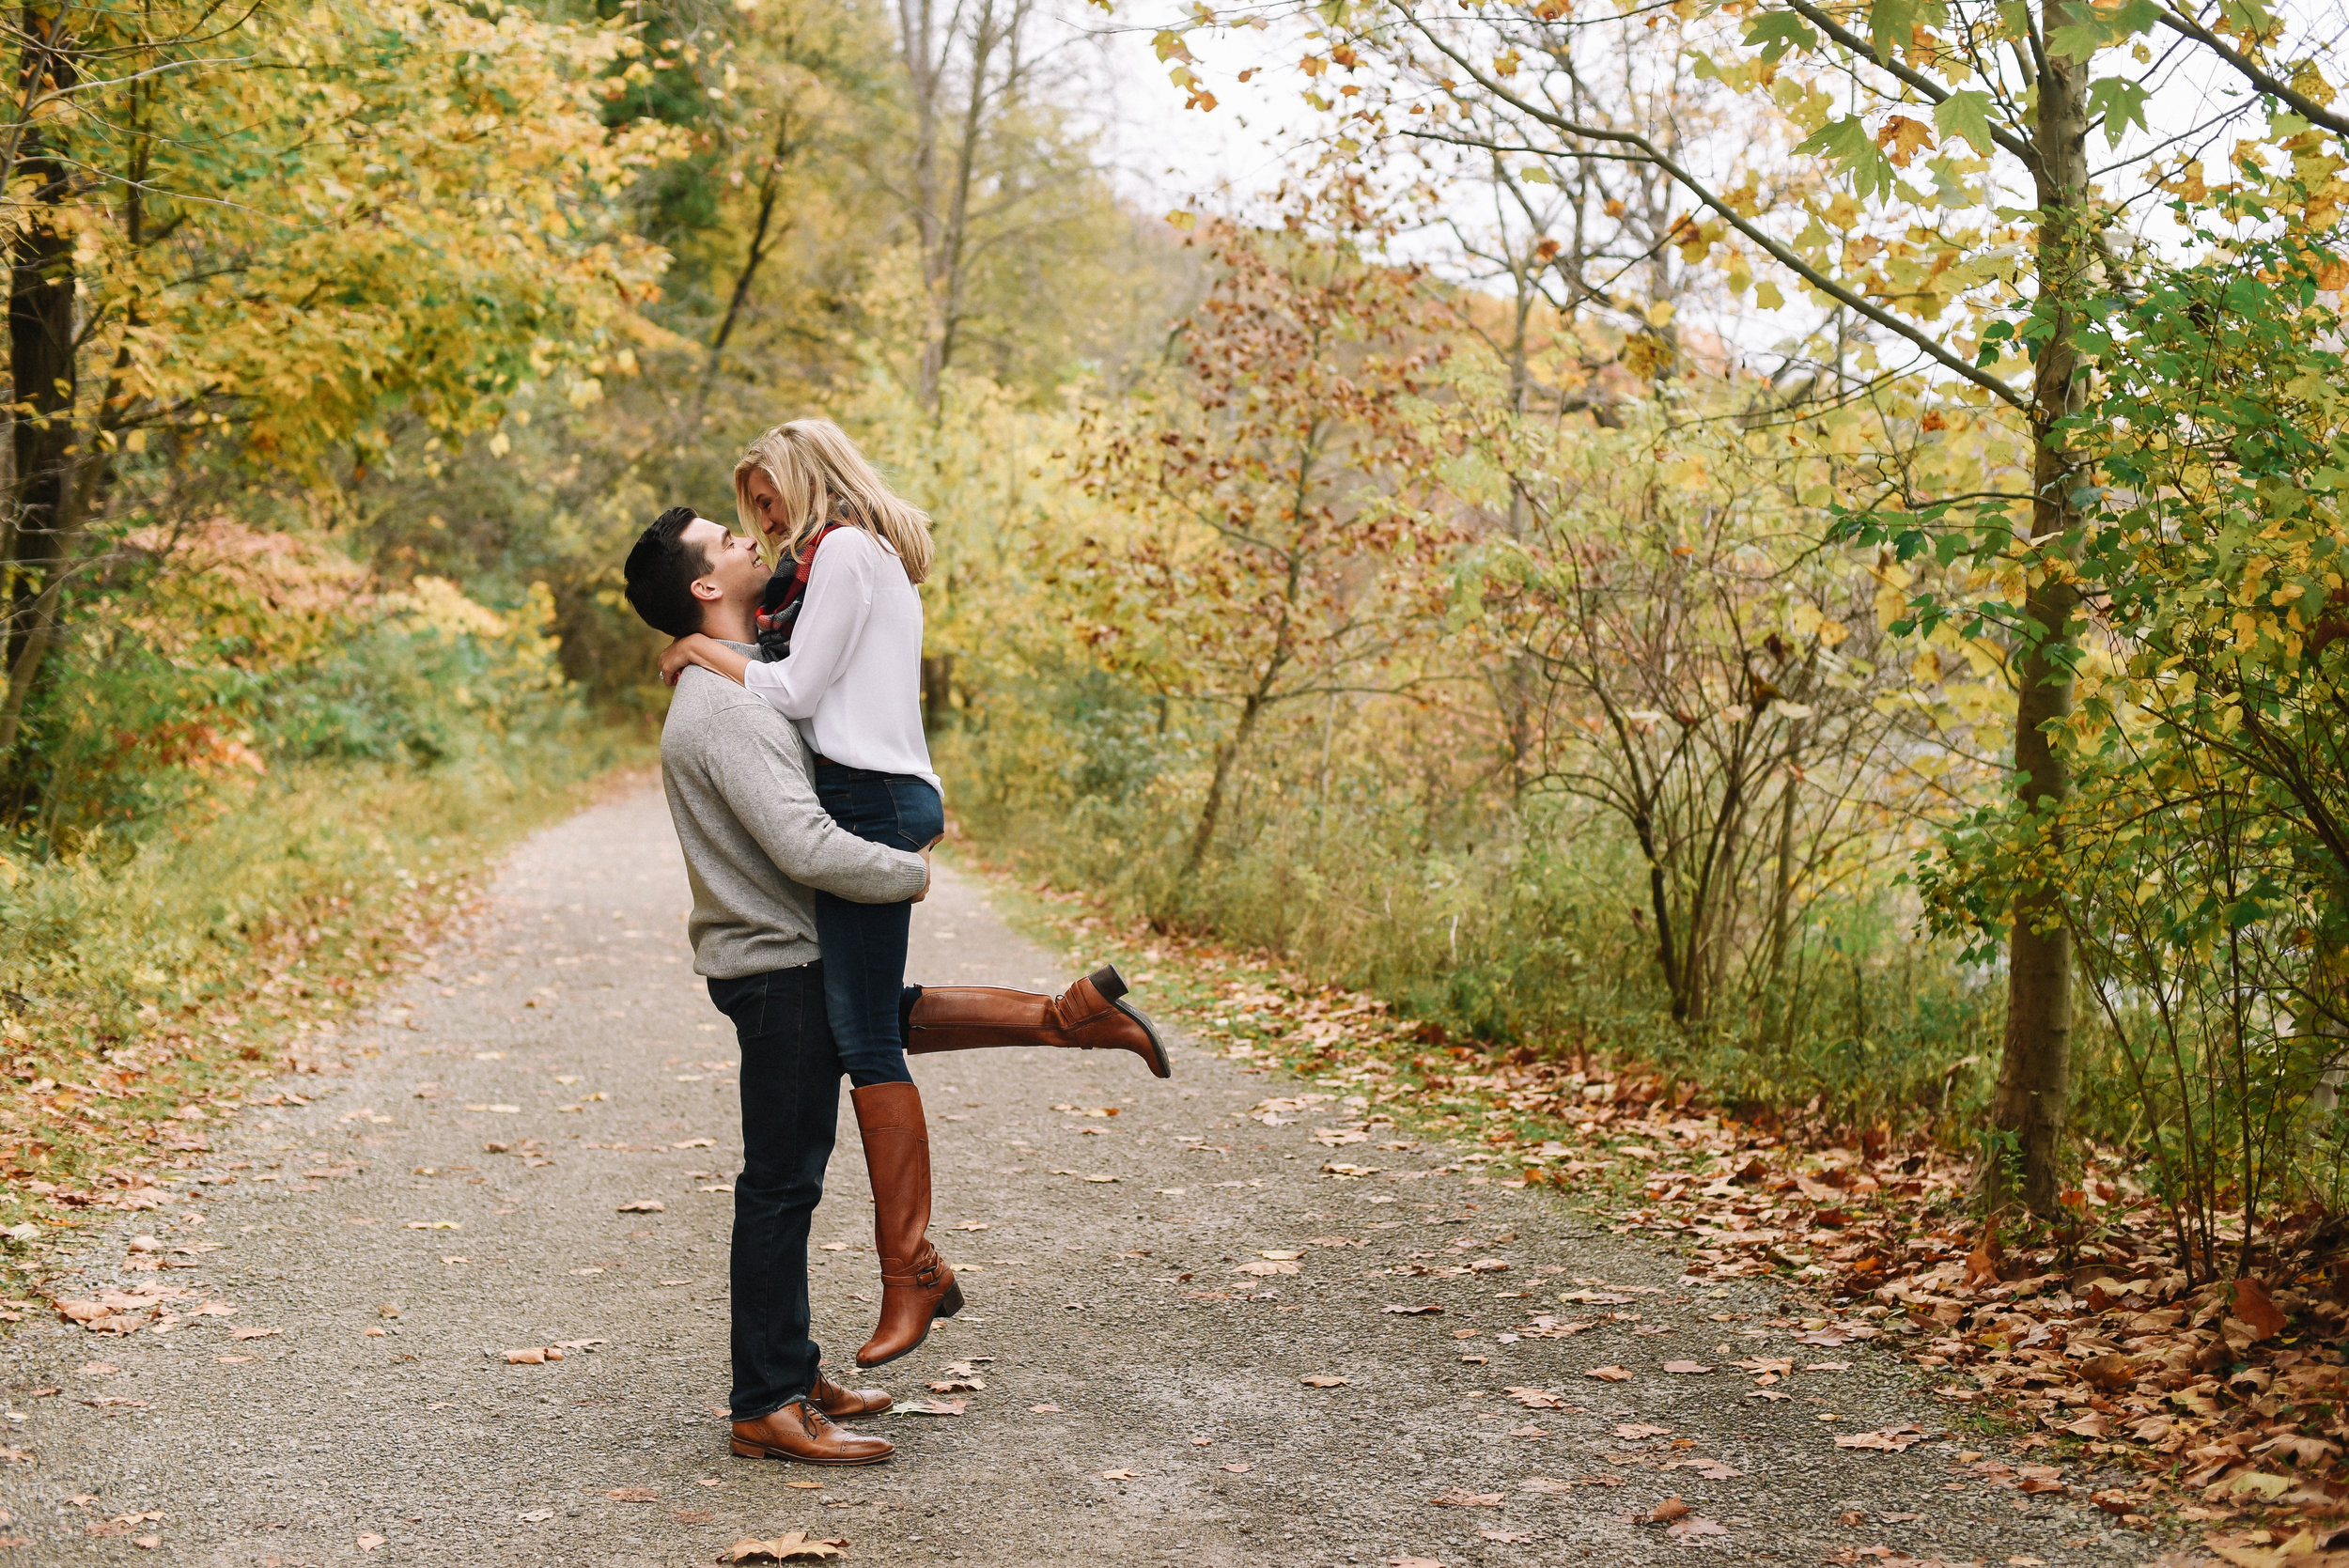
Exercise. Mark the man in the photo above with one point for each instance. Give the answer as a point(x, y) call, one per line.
point(740, 788)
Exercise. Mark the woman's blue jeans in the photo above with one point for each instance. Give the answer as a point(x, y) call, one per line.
point(864, 944)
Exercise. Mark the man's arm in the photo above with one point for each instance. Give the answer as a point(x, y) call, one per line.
point(754, 764)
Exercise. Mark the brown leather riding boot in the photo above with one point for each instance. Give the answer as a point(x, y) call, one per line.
point(917, 1287)
point(802, 1432)
point(1089, 1016)
point(842, 1403)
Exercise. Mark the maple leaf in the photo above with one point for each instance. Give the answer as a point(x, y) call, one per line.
point(2253, 1307)
point(1891, 1440)
point(795, 1547)
point(1323, 1380)
point(1685, 1368)
point(1609, 1374)
point(1903, 138)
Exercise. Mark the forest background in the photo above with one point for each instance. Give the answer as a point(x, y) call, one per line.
point(1796, 546)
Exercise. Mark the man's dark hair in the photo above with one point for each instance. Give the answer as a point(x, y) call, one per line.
point(662, 571)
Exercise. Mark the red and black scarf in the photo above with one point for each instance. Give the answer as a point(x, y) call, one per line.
point(785, 592)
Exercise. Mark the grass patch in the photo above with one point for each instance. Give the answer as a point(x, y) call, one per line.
point(147, 981)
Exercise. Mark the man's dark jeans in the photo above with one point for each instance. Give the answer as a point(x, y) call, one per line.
point(864, 944)
point(790, 1115)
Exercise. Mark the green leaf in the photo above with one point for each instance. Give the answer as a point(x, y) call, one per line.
point(2121, 104)
point(1847, 142)
point(1775, 32)
point(1968, 114)
point(2100, 29)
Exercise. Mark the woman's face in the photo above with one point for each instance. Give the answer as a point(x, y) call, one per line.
point(767, 506)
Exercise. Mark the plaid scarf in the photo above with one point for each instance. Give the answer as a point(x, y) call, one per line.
point(779, 602)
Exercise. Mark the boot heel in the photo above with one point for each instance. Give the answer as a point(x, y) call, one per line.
point(748, 1450)
point(951, 1303)
point(1107, 981)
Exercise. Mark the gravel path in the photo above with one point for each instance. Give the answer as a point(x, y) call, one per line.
point(462, 1190)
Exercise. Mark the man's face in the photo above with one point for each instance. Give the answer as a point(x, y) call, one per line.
point(735, 573)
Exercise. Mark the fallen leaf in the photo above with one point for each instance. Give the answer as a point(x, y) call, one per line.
point(1696, 1524)
point(1982, 1264)
point(633, 1493)
point(1891, 1440)
point(1633, 1431)
point(1609, 1374)
point(369, 1542)
point(1044, 1410)
point(249, 1332)
point(1117, 1475)
point(1430, 1311)
point(537, 1355)
point(1545, 1485)
point(805, 1485)
point(1413, 1562)
point(643, 1206)
point(1509, 1537)
point(691, 1516)
point(936, 1408)
point(794, 1547)
point(1325, 1381)
point(1685, 1368)
point(1466, 1499)
point(2252, 1306)
point(957, 1385)
point(1666, 1512)
point(1240, 1466)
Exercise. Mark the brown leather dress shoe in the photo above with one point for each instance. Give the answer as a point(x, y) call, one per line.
point(1092, 1014)
point(800, 1432)
point(917, 1287)
point(846, 1404)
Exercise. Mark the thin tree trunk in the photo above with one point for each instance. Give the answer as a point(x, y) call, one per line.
point(41, 365)
point(2033, 1100)
point(1225, 755)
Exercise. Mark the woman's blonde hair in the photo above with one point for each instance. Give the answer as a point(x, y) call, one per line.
point(821, 477)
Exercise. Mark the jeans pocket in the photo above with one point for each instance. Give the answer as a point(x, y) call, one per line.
point(921, 813)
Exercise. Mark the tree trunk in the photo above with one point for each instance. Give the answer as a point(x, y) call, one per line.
point(937, 682)
point(42, 371)
point(1227, 753)
point(2032, 1105)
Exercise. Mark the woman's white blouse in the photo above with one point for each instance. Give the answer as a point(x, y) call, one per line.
point(853, 682)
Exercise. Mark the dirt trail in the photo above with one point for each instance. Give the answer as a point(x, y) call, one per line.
point(1145, 1399)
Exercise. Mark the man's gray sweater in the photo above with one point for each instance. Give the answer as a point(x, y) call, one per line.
point(741, 790)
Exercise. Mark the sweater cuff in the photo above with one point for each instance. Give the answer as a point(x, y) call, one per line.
point(914, 874)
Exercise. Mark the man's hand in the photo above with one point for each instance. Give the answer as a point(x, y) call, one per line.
point(926, 872)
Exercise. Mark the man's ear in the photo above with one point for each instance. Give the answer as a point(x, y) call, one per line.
point(707, 590)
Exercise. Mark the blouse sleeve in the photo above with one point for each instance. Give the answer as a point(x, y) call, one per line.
point(839, 603)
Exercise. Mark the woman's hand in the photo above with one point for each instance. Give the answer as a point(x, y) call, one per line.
point(677, 655)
